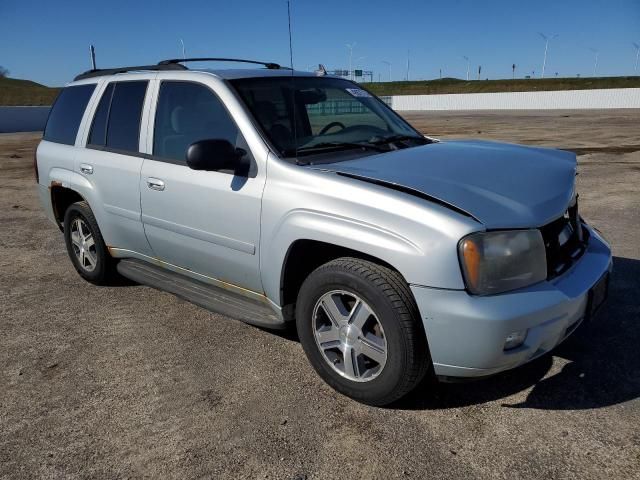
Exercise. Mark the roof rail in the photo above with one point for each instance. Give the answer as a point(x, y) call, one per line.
point(112, 71)
point(177, 61)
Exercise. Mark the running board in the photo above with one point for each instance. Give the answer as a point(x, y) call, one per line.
point(214, 299)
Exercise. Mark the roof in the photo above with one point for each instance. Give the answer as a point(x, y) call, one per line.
point(236, 73)
point(177, 64)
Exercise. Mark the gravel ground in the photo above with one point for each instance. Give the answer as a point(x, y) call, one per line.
point(131, 382)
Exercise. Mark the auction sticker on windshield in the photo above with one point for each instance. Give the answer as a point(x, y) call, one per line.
point(358, 92)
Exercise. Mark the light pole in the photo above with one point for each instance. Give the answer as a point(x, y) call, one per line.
point(467, 59)
point(350, 47)
point(546, 47)
point(388, 64)
point(637, 47)
point(595, 64)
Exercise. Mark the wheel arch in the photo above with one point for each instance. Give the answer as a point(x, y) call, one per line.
point(61, 198)
point(298, 264)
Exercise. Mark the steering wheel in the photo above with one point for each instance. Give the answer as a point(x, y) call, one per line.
point(329, 126)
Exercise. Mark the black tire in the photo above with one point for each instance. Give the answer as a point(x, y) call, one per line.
point(389, 296)
point(104, 272)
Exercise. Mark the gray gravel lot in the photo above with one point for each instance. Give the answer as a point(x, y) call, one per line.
point(131, 382)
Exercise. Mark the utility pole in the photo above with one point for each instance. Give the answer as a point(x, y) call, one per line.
point(546, 47)
point(467, 59)
point(513, 71)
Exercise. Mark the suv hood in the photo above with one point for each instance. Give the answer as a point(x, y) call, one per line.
point(501, 185)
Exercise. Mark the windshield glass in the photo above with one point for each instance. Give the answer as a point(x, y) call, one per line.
point(310, 115)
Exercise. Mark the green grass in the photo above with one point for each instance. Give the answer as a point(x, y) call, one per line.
point(14, 91)
point(454, 85)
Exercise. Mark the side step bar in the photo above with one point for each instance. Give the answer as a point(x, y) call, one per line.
point(207, 296)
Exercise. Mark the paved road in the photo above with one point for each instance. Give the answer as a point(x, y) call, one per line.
point(131, 382)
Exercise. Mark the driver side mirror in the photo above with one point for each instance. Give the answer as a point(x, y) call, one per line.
point(213, 155)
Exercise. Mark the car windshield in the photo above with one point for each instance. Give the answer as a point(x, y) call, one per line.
point(312, 115)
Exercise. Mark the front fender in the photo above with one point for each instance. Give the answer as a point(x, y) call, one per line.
point(303, 224)
point(416, 237)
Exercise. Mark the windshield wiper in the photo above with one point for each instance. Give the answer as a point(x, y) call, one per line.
point(340, 145)
point(399, 138)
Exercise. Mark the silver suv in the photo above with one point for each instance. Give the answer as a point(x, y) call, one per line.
point(275, 196)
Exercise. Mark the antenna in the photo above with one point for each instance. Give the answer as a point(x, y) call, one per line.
point(92, 51)
point(293, 85)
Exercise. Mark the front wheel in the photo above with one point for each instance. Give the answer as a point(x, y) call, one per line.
point(360, 328)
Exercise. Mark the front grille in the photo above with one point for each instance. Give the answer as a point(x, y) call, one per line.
point(565, 241)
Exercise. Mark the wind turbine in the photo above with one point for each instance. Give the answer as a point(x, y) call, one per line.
point(408, 55)
point(350, 47)
point(637, 47)
point(595, 65)
point(467, 59)
point(388, 64)
point(546, 47)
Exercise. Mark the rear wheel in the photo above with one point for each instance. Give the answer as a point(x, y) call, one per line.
point(86, 247)
point(360, 328)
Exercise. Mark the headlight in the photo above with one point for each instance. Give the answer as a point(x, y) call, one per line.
point(494, 262)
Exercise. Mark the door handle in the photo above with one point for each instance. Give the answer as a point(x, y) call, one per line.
point(86, 168)
point(155, 184)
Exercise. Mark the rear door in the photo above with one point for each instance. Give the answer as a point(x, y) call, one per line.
point(204, 221)
point(112, 162)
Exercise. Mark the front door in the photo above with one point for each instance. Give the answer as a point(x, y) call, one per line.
point(206, 222)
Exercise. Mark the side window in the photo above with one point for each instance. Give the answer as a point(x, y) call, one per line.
point(98, 135)
point(116, 123)
point(188, 112)
point(66, 114)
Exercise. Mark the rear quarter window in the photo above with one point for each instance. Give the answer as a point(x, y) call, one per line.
point(66, 114)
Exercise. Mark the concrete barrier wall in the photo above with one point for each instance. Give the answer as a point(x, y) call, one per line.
point(23, 119)
point(565, 100)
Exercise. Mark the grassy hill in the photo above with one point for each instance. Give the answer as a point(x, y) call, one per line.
point(14, 91)
point(454, 85)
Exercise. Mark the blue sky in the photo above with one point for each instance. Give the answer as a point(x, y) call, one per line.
point(47, 41)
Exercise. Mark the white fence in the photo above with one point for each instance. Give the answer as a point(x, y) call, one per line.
point(567, 99)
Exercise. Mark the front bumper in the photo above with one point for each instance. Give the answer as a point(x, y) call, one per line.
point(466, 333)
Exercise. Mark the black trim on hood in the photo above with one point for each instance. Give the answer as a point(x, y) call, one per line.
point(410, 191)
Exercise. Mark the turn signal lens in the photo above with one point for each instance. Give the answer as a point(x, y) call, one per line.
point(471, 255)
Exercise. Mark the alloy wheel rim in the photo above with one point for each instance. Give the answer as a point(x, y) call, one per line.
point(349, 335)
point(84, 245)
